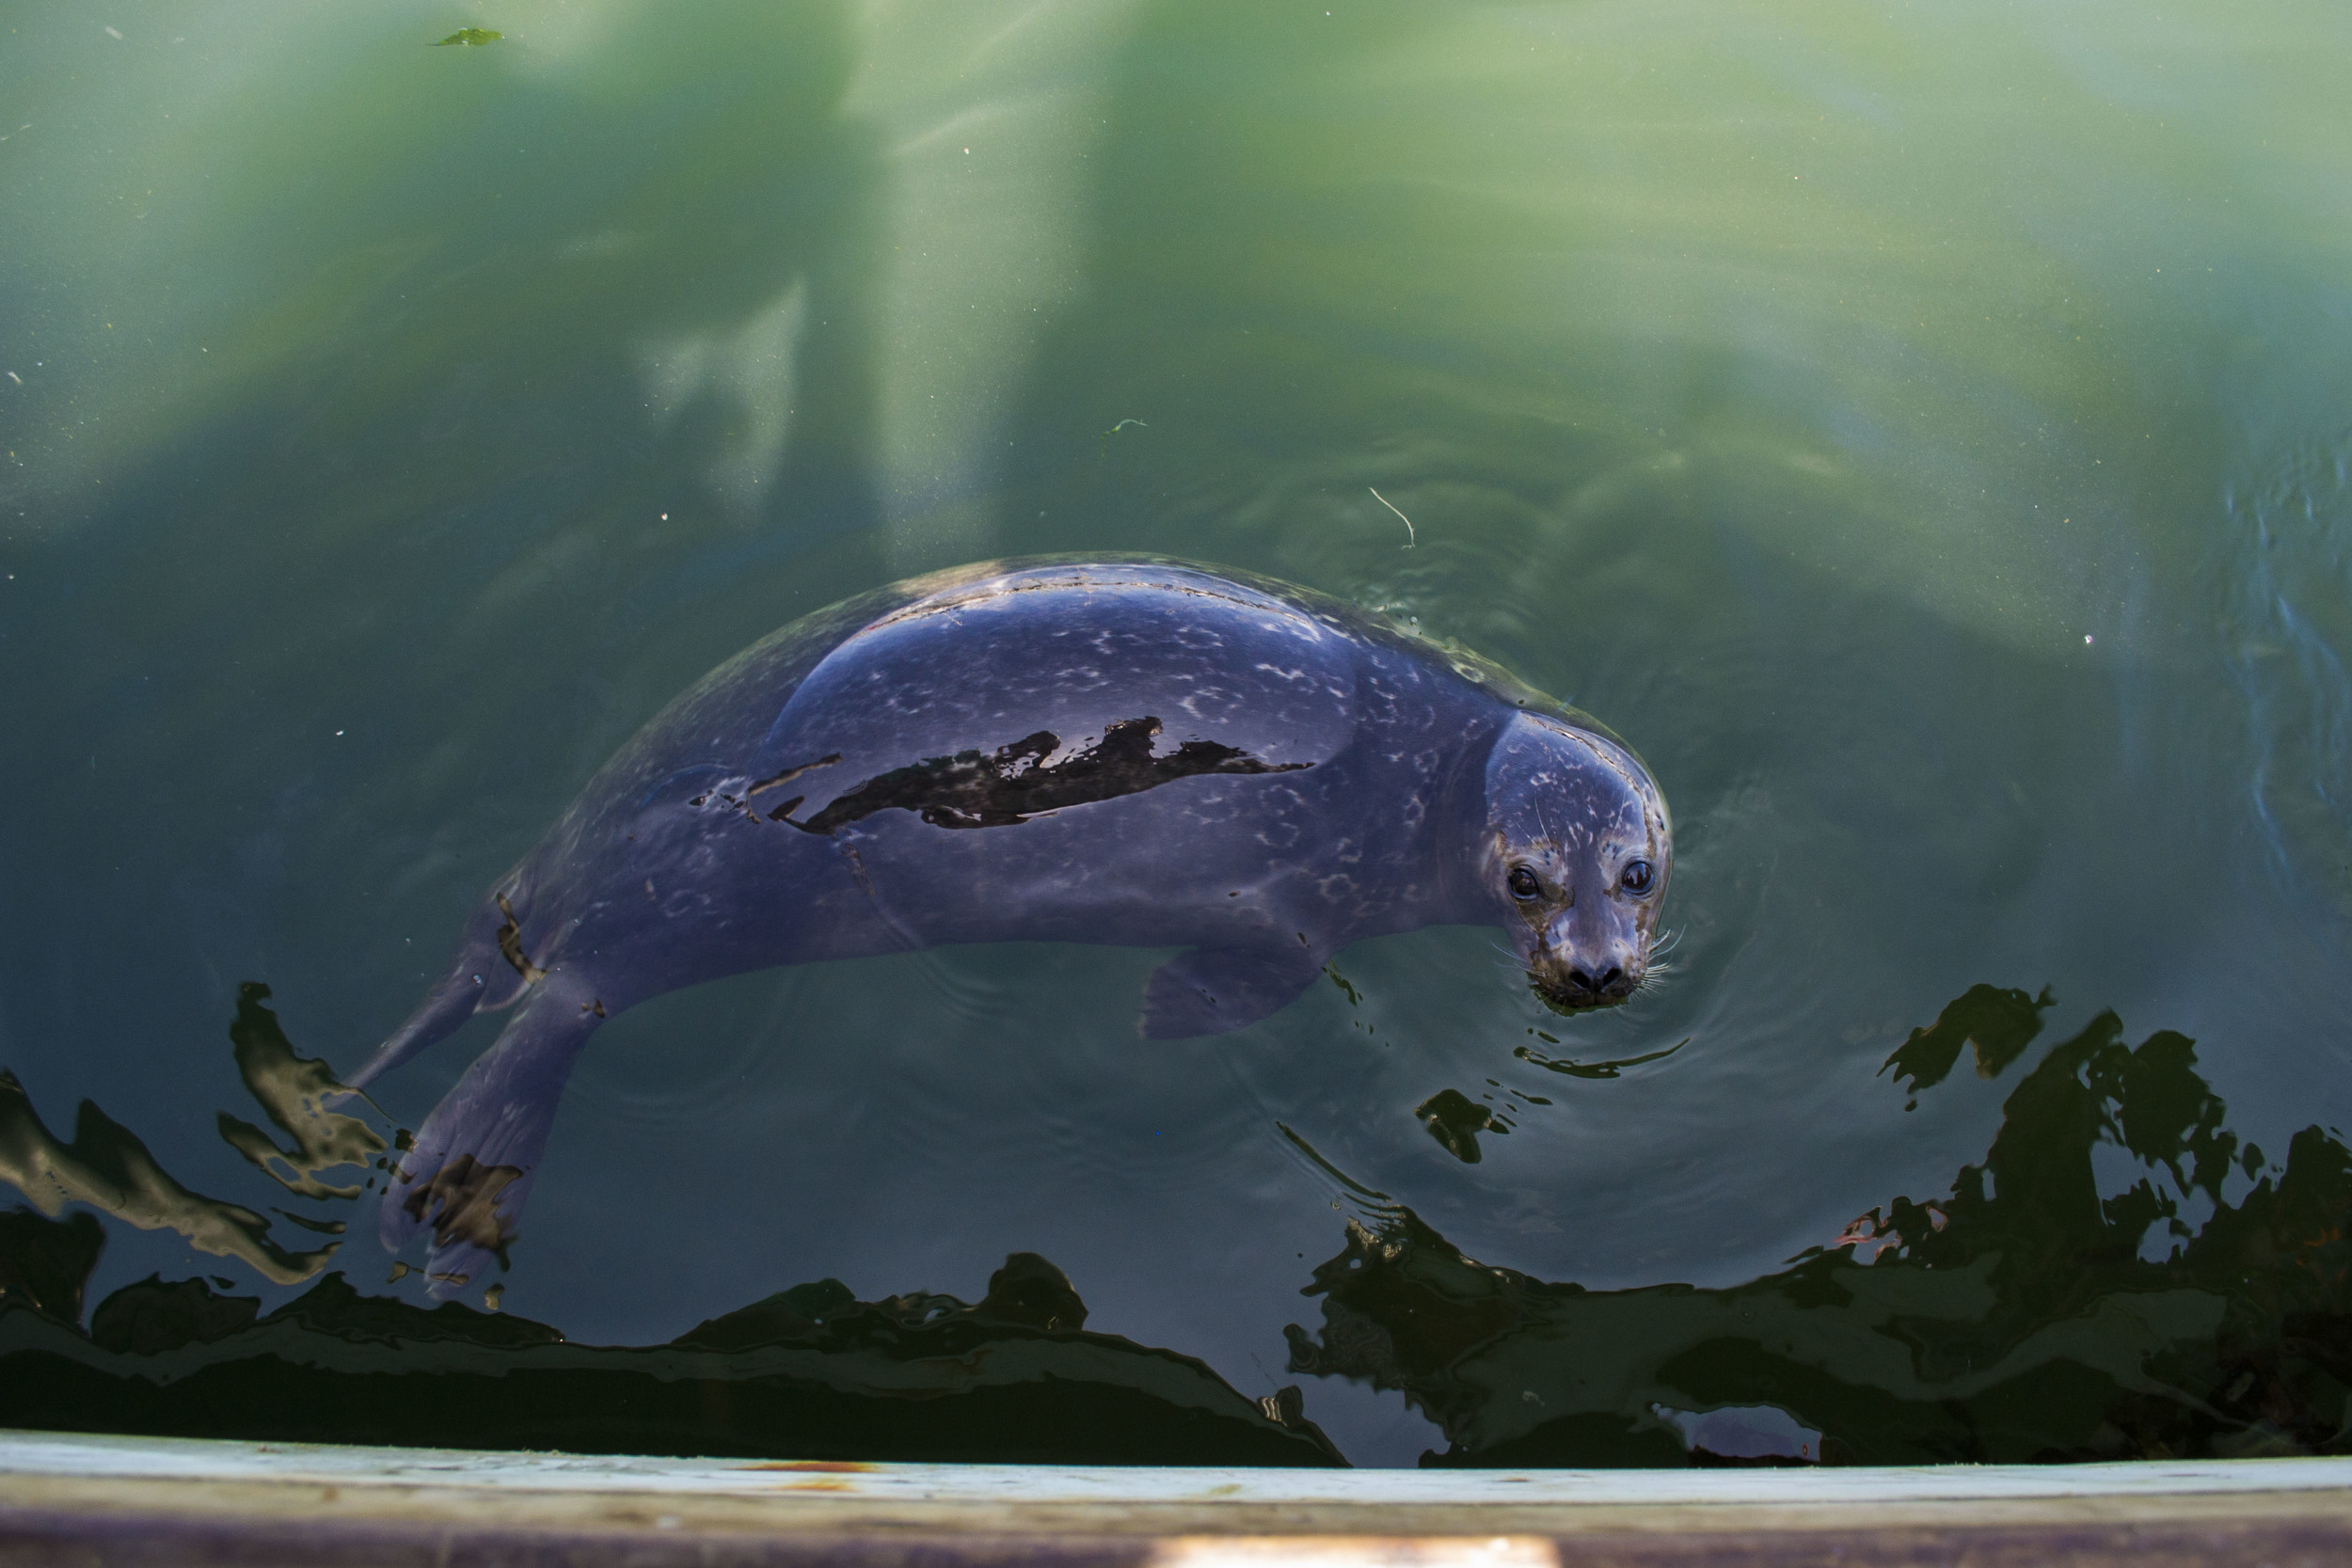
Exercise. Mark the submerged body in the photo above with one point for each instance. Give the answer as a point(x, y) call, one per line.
point(1138, 752)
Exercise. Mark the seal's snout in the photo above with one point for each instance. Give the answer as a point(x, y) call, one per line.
point(1572, 985)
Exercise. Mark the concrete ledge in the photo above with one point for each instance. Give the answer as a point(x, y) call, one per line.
point(108, 1500)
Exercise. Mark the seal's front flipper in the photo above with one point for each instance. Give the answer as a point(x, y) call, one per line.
point(474, 1161)
point(1212, 991)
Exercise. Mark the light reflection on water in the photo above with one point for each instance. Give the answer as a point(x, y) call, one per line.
point(1922, 437)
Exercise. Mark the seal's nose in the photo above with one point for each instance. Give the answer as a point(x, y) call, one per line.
point(1576, 984)
point(1609, 982)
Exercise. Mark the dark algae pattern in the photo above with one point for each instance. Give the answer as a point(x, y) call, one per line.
point(2028, 1312)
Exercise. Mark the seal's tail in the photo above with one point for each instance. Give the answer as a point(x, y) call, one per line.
point(474, 1161)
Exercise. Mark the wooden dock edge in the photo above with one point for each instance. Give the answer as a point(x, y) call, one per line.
point(101, 1501)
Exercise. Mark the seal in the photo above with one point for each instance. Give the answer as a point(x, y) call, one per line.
point(1137, 752)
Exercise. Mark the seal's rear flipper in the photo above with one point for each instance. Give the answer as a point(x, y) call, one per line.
point(474, 1159)
point(482, 980)
point(1212, 991)
point(436, 1016)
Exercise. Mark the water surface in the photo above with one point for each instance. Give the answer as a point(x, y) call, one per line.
point(1921, 431)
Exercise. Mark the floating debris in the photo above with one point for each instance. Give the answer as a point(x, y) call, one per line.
point(1410, 538)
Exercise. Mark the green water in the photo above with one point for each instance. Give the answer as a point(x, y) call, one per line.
point(1921, 431)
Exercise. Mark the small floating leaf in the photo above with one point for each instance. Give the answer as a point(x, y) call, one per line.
point(469, 36)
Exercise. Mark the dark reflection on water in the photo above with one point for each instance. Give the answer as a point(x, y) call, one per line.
point(2118, 1277)
point(1998, 1023)
point(1456, 1120)
point(44, 1263)
point(2025, 1316)
point(810, 1371)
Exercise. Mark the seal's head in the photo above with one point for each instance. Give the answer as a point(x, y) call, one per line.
point(1576, 850)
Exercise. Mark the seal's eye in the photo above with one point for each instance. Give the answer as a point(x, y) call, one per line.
point(1635, 878)
point(1522, 882)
